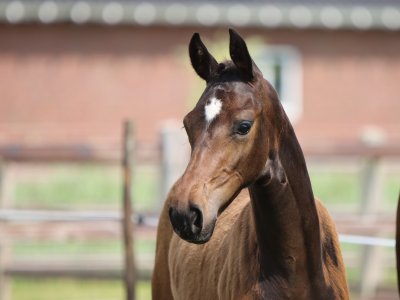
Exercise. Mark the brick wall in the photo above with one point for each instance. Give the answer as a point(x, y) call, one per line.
point(67, 84)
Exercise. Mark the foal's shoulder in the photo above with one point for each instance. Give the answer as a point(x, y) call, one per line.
point(334, 268)
point(326, 222)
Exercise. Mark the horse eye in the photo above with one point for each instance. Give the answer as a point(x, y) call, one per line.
point(243, 127)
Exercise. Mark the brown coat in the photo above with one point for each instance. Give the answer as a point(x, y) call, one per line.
point(226, 267)
point(245, 201)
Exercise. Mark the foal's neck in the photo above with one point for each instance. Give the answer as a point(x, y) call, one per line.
point(286, 218)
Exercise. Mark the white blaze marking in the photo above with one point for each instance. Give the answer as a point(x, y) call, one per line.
point(212, 109)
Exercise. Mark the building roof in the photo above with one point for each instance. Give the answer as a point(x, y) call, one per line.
point(303, 14)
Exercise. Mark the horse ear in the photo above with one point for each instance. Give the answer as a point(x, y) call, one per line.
point(203, 62)
point(240, 55)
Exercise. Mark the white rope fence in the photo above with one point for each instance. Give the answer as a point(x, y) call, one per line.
point(20, 216)
point(366, 240)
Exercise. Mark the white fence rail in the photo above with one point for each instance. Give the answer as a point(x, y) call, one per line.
point(21, 216)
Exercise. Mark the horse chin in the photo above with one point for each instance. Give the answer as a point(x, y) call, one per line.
point(203, 237)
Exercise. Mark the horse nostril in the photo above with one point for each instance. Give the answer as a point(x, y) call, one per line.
point(177, 220)
point(196, 219)
point(171, 213)
point(187, 224)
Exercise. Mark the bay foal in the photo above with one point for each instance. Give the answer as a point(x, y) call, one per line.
point(245, 220)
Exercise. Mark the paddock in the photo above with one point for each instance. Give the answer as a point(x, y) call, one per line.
point(44, 241)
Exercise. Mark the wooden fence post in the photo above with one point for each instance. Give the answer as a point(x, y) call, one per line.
point(5, 290)
point(372, 256)
point(127, 224)
point(398, 243)
point(371, 270)
point(372, 186)
point(5, 248)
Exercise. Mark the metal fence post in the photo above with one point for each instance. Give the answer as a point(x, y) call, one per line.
point(127, 224)
point(175, 153)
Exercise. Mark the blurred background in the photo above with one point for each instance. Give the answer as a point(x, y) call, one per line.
point(72, 71)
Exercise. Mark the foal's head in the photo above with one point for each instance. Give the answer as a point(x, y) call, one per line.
point(231, 137)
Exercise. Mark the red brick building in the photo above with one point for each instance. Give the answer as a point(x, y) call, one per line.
point(70, 72)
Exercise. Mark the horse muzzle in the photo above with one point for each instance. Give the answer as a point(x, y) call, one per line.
point(189, 225)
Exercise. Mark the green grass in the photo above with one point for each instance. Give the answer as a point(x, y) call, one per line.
point(343, 189)
point(80, 187)
point(391, 189)
point(146, 188)
point(74, 289)
point(69, 186)
point(85, 187)
point(352, 273)
point(43, 249)
point(336, 188)
point(70, 289)
point(99, 187)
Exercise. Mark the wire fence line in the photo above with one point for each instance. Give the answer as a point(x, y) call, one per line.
point(18, 215)
point(21, 216)
point(367, 240)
